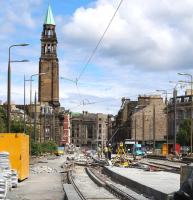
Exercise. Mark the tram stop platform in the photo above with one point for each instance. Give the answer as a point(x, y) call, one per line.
point(157, 185)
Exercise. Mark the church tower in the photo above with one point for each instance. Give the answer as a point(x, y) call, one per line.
point(48, 64)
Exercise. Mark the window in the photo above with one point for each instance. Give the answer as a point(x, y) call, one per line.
point(99, 130)
point(100, 125)
point(49, 48)
point(100, 119)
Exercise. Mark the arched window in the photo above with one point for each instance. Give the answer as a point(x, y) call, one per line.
point(49, 48)
point(52, 48)
point(49, 32)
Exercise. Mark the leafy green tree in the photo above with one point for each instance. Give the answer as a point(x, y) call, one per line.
point(183, 135)
point(17, 126)
point(3, 119)
point(42, 148)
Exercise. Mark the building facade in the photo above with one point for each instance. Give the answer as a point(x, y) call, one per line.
point(102, 129)
point(179, 108)
point(149, 120)
point(123, 122)
point(90, 129)
point(66, 136)
point(144, 120)
point(83, 129)
point(51, 115)
point(48, 64)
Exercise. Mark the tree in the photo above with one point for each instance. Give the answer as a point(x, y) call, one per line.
point(183, 135)
point(3, 119)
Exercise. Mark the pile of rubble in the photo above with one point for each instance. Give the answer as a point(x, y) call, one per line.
point(43, 169)
point(8, 176)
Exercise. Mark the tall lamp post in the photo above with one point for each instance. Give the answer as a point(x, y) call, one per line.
point(166, 102)
point(25, 103)
point(9, 84)
point(191, 129)
point(31, 79)
point(175, 118)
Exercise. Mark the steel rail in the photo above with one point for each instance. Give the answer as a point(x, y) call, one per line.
point(70, 179)
point(110, 187)
point(101, 183)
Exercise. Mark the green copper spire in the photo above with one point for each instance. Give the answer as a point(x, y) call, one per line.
point(49, 17)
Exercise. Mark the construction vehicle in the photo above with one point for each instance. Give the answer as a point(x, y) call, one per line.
point(129, 144)
point(59, 151)
point(137, 150)
point(121, 158)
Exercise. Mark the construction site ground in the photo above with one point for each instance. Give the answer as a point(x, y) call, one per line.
point(45, 181)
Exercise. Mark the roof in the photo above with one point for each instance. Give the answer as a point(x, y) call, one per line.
point(49, 19)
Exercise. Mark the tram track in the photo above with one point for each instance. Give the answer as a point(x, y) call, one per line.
point(164, 165)
point(84, 175)
point(71, 181)
point(115, 190)
point(85, 187)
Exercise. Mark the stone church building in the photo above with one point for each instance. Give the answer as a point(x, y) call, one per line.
point(47, 115)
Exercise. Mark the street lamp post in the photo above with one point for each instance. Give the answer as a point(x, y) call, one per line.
point(175, 109)
point(191, 129)
point(31, 79)
point(24, 104)
point(35, 117)
point(31, 106)
point(175, 124)
point(166, 102)
point(9, 85)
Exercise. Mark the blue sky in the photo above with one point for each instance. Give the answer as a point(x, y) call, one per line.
point(144, 48)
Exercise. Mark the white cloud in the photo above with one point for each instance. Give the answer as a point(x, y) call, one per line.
point(154, 35)
point(148, 42)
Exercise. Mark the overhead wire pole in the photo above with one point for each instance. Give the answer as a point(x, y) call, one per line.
point(167, 118)
point(191, 108)
point(175, 110)
point(143, 127)
point(24, 103)
point(154, 129)
point(135, 130)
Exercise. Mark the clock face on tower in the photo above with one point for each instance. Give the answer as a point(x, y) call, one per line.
point(48, 64)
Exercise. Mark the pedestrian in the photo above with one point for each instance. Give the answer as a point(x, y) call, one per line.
point(109, 151)
point(99, 151)
point(106, 152)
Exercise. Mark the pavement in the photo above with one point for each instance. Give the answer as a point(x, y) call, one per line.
point(162, 183)
point(44, 183)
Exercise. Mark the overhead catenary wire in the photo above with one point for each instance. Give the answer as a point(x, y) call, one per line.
point(99, 42)
point(94, 51)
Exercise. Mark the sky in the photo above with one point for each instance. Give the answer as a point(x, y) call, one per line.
point(147, 44)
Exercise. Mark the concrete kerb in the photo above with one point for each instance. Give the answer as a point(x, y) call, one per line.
point(138, 187)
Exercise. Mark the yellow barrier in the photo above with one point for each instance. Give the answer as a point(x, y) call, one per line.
point(17, 144)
